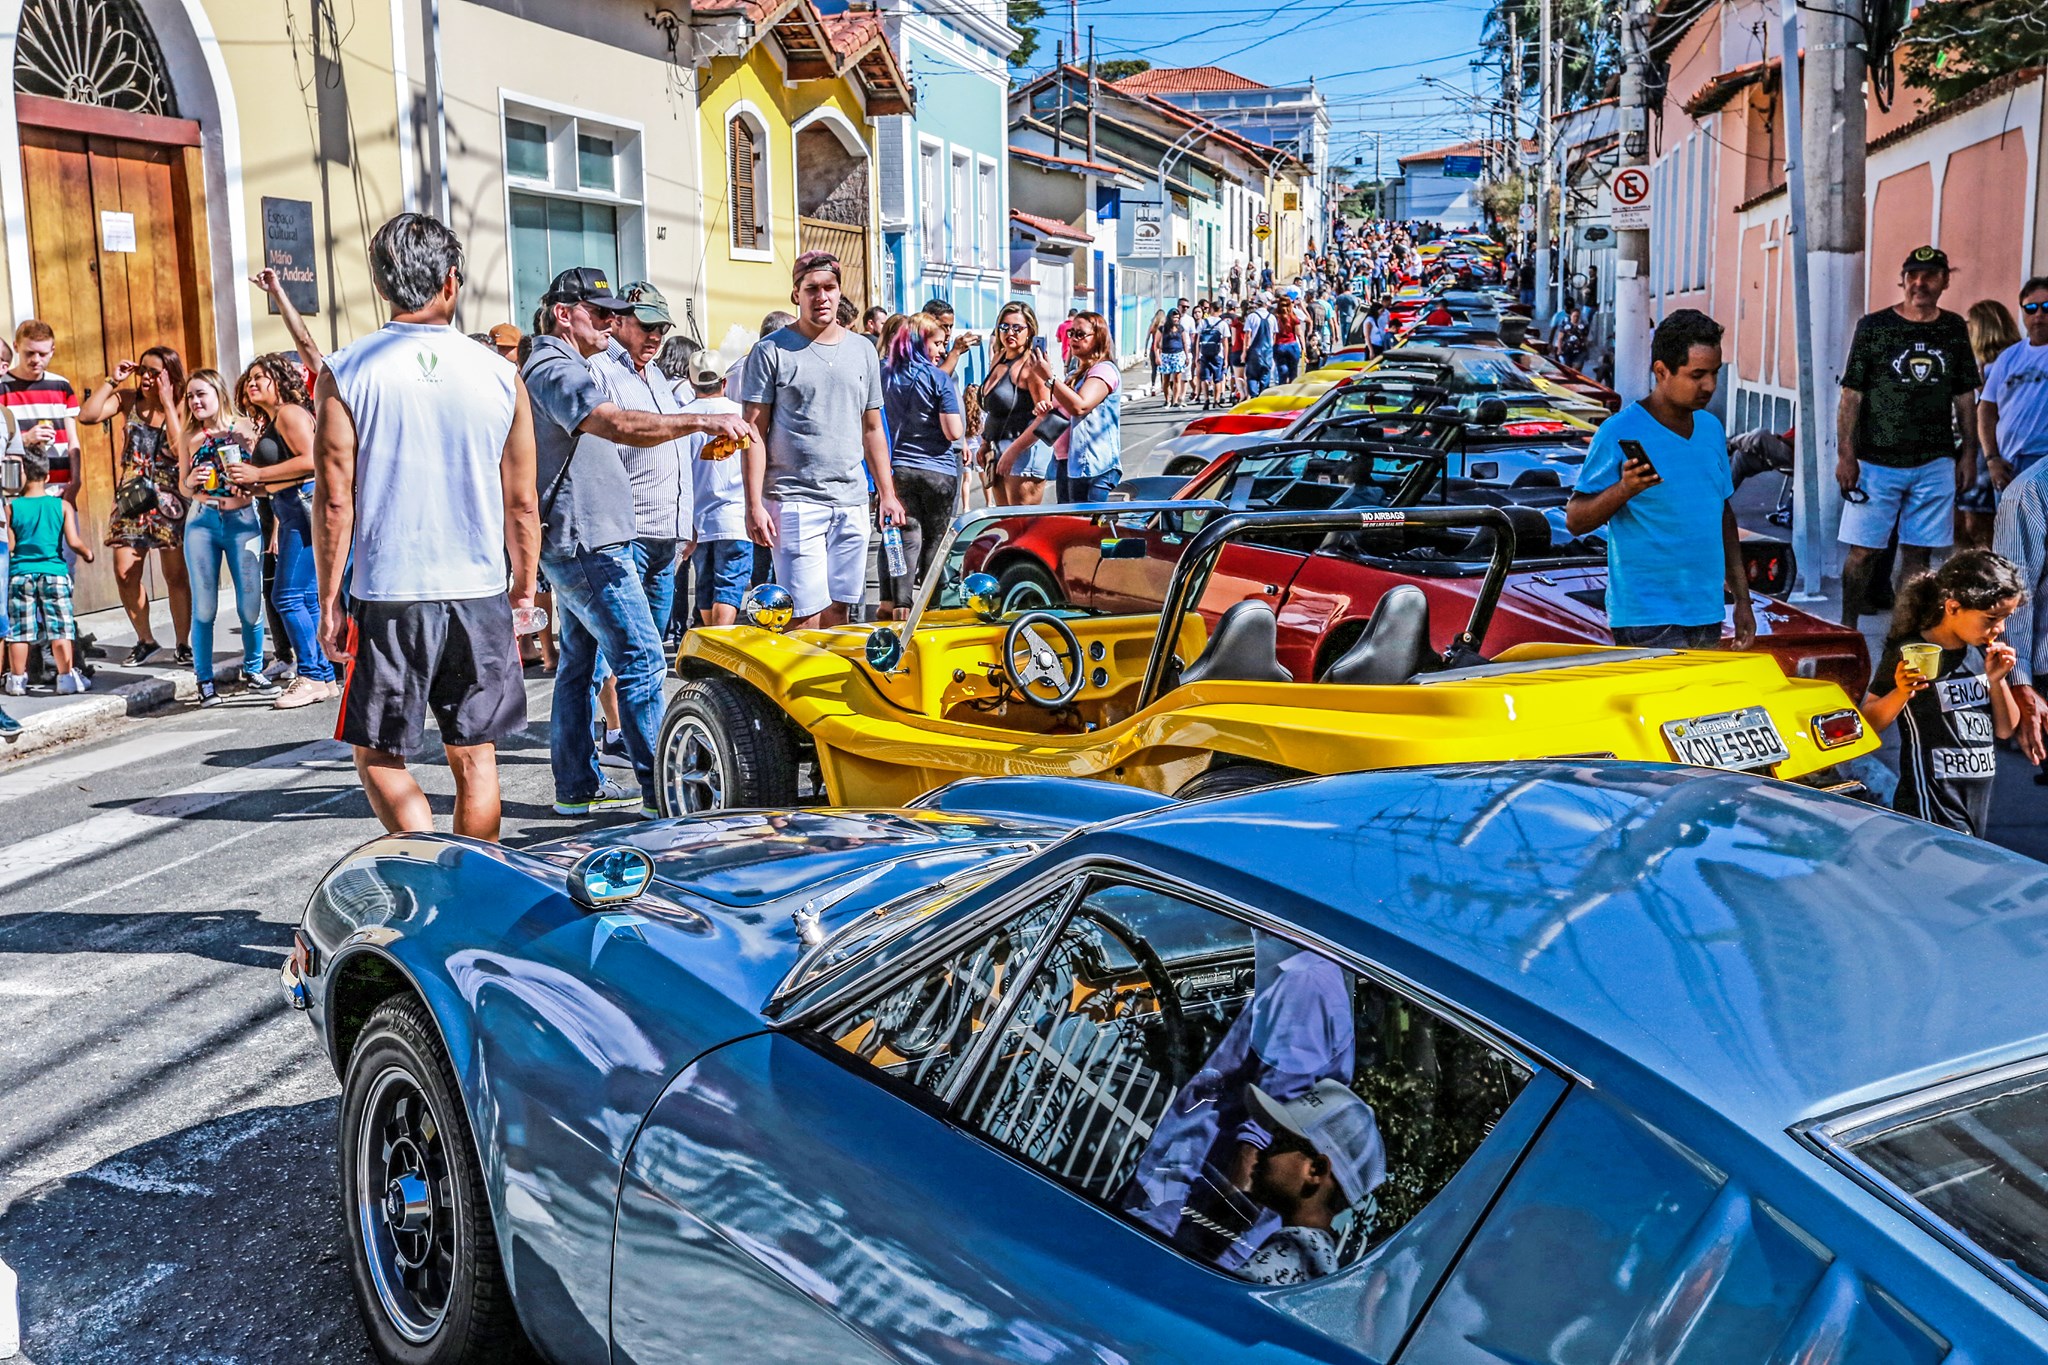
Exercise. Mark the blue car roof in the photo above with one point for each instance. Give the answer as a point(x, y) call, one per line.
point(1774, 952)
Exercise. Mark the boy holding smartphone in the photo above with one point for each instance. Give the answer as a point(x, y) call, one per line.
point(1657, 478)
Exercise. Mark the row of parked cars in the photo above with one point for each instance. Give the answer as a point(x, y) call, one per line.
point(1261, 918)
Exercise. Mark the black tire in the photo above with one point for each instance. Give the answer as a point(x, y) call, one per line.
point(433, 1293)
point(1026, 586)
point(723, 746)
point(1232, 777)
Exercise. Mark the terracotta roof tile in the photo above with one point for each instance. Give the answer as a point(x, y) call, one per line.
point(1185, 80)
point(1439, 153)
point(1049, 227)
point(1078, 163)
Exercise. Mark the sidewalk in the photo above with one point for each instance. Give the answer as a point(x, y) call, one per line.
point(117, 690)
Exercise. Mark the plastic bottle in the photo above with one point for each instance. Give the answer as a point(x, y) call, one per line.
point(892, 550)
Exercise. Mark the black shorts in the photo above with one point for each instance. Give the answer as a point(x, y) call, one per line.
point(458, 659)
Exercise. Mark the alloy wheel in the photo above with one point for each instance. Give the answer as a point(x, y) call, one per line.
point(691, 772)
point(405, 1206)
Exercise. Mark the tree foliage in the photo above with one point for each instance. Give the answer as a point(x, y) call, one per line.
point(1585, 35)
point(1954, 46)
point(1120, 67)
point(1024, 17)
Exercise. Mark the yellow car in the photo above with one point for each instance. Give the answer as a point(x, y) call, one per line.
point(1287, 397)
point(1151, 655)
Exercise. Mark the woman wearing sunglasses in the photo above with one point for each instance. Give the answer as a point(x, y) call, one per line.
point(1010, 398)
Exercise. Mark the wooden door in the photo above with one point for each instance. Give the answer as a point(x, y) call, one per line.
point(108, 306)
point(849, 244)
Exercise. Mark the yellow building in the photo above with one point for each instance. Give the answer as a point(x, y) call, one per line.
point(786, 102)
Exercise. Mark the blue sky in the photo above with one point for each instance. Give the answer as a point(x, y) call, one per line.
point(1367, 55)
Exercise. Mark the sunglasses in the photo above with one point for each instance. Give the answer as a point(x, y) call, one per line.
point(1856, 495)
point(2038, 307)
point(1010, 327)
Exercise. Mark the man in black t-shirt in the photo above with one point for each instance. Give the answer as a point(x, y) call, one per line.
point(1910, 382)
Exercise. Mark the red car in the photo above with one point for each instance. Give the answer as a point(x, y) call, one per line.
point(1324, 594)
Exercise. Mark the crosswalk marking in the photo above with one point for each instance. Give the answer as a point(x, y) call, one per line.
point(39, 777)
point(33, 858)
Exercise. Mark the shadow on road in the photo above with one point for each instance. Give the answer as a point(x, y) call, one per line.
point(240, 937)
point(221, 1242)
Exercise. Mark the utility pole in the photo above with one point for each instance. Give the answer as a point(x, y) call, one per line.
point(1074, 28)
point(1545, 104)
point(1632, 246)
point(1059, 76)
point(1511, 111)
point(1091, 92)
point(1831, 238)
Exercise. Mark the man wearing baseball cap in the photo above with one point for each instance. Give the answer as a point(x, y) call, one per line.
point(1911, 379)
point(1325, 1157)
point(505, 341)
point(588, 534)
point(814, 390)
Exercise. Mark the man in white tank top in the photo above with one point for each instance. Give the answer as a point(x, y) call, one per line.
point(424, 473)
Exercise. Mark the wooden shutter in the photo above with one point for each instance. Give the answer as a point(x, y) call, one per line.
point(740, 154)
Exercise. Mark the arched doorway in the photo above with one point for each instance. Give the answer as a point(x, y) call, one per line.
point(832, 198)
point(114, 193)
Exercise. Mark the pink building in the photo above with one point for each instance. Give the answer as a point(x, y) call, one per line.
point(1964, 175)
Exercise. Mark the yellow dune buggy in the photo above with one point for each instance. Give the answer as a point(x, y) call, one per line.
point(1167, 676)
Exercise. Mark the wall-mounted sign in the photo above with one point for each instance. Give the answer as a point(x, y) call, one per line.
point(1464, 167)
point(1291, 202)
point(288, 249)
point(117, 231)
point(1631, 185)
point(1148, 229)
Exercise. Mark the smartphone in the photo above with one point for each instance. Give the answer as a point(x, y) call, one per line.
point(1633, 450)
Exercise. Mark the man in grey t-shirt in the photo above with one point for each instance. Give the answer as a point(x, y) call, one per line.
point(814, 391)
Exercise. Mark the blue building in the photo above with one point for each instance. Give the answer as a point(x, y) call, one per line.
point(941, 175)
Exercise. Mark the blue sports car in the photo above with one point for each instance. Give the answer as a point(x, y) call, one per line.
point(1538, 1062)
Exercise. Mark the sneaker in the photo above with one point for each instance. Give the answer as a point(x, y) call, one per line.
point(301, 692)
point(16, 685)
point(183, 656)
point(647, 812)
point(209, 695)
point(611, 750)
point(144, 651)
point(9, 725)
point(608, 796)
point(257, 683)
point(73, 682)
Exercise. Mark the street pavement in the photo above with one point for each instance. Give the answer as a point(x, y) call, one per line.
point(167, 1124)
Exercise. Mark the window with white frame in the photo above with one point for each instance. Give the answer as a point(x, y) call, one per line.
point(962, 216)
point(574, 198)
point(1704, 223)
point(749, 192)
point(988, 203)
point(931, 200)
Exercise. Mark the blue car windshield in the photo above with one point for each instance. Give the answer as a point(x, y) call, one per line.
point(1974, 1159)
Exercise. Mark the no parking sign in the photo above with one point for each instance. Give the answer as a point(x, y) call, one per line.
point(1631, 186)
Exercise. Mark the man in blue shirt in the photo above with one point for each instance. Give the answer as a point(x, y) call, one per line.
point(1672, 549)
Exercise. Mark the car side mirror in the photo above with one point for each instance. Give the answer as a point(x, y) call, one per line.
point(884, 649)
point(768, 606)
point(1124, 547)
point(609, 876)
point(1492, 412)
point(984, 596)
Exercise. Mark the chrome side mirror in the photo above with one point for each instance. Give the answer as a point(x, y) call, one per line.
point(884, 649)
point(984, 596)
point(768, 606)
point(610, 876)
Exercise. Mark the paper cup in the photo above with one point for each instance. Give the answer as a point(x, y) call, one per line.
point(1926, 658)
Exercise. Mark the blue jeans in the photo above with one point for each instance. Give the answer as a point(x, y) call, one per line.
point(1074, 488)
point(296, 589)
point(1258, 374)
point(1286, 361)
point(725, 570)
point(602, 606)
point(655, 561)
point(211, 534)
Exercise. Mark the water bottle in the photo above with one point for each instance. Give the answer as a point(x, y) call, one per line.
point(892, 551)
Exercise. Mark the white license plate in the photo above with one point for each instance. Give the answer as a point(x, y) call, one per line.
point(1732, 739)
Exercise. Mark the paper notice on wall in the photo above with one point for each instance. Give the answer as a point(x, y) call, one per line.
point(117, 231)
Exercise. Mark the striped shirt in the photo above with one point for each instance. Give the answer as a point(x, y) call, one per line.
point(49, 399)
point(2021, 535)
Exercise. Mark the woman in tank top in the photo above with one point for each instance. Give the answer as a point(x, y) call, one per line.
point(220, 526)
point(1010, 398)
point(280, 468)
point(150, 438)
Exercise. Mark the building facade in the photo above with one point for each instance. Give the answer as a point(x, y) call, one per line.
point(1433, 187)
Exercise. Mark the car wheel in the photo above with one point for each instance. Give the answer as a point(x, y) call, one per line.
point(722, 746)
point(1232, 777)
point(1026, 586)
point(422, 1250)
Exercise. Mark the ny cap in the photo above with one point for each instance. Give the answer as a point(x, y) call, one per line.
point(650, 305)
point(1925, 258)
point(585, 284)
point(1338, 1124)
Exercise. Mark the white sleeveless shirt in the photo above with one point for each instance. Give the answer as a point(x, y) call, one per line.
point(432, 410)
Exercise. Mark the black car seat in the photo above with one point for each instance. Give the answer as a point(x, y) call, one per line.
point(1245, 648)
point(1395, 646)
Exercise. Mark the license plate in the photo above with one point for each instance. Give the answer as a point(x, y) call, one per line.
point(1732, 739)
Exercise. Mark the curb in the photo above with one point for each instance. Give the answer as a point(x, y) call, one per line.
point(95, 712)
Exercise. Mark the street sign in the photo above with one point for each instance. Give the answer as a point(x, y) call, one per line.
point(1464, 167)
point(1631, 187)
point(1148, 229)
point(1262, 232)
point(288, 249)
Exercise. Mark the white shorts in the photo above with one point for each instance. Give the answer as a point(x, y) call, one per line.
point(1921, 503)
point(821, 553)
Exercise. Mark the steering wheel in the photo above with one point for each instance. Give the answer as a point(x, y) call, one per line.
point(1180, 1063)
point(1030, 663)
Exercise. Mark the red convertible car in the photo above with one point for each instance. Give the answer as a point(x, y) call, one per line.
point(1324, 591)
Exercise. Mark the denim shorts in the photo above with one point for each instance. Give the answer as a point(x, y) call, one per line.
point(1920, 502)
point(725, 570)
point(1035, 463)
